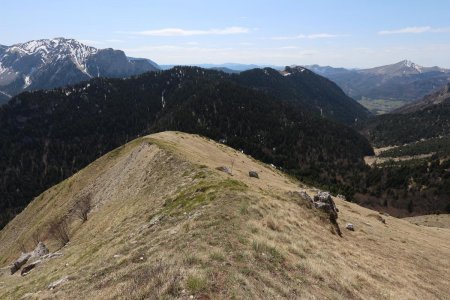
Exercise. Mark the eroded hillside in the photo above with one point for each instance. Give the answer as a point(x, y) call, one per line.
point(165, 223)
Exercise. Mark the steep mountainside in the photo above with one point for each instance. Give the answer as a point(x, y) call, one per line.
point(164, 223)
point(48, 135)
point(436, 98)
point(414, 174)
point(46, 64)
point(317, 93)
point(427, 119)
point(401, 81)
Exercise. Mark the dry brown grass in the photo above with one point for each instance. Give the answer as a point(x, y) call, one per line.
point(165, 224)
point(436, 220)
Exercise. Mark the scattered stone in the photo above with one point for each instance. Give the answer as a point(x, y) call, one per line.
point(155, 220)
point(29, 267)
point(253, 174)
point(24, 257)
point(381, 219)
point(224, 169)
point(305, 196)
point(117, 255)
point(384, 213)
point(58, 282)
point(350, 227)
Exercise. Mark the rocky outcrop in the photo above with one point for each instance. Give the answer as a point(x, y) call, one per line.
point(41, 251)
point(24, 257)
point(324, 201)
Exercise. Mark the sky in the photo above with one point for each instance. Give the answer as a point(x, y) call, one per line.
point(341, 33)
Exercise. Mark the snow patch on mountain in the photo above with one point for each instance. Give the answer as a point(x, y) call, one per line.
point(6, 94)
point(27, 80)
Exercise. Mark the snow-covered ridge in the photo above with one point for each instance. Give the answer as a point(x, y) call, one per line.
point(56, 49)
point(50, 63)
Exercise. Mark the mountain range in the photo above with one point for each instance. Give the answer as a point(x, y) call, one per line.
point(404, 80)
point(291, 117)
point(50, 63)
point(289, 120)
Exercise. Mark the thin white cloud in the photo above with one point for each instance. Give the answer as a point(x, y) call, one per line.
point(414, 30)
point(182, 54)
point(187, 32)
point(114, 41)
point(313, 36)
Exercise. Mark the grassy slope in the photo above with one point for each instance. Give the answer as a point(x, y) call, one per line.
point(381, 106)
point(220, 236)
point(441, 221)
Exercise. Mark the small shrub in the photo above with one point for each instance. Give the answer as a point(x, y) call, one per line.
point(59, 230)
point(266, 252)
point(192, 260)
point(272, 225)
point(217, 256)
point(196, 284)
point(82, 207)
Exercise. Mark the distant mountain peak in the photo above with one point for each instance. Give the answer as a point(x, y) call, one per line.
point(49, 63)
point(407, 63)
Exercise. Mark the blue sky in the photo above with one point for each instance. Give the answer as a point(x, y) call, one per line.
point(348, 33)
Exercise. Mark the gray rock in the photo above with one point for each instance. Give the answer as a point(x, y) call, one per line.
point(58, 282)
point(40, 250)
point(350, 227)
point(322, 197)
point(325, 197)
point(324, 201)
point(253, 174)
point(305, 196)
point(24, 257)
